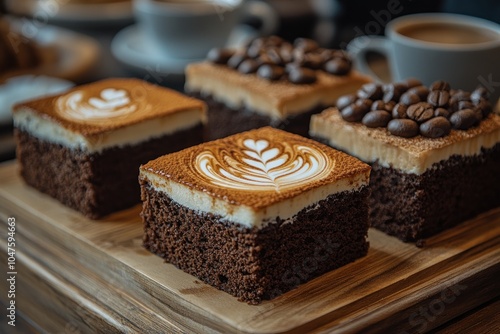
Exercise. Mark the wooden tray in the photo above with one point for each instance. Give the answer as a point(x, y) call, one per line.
point(101, 267)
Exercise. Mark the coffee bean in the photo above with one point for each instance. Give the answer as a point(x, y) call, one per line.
point(298, 56)
point(409, 98)
point(378, 105)
point(313, 61)
point(236, 60)
point(485, 107)
point(286, 53)
point(479, 114)
point(302, 75)
point(479, 93)
point(421, 91)
point(273, 40)
point(400, 86)
point(391, 93)
point(376, 119)
point(353, 113)
point(326, 54)
point(440, 85)
point(305, 44)
point(403, 128)
point(399, 111)
point(441, 112)
point(289, 67)
point(219, 56)
point(370, 91)
point(264, 59)
point(459, 95)
point(254, 50)
point(435, 127)
point(389, 106)
point(463, 119)
point(439, 98)
point(337, 66)
point(344, 101)
point(274, 56)
point(270, 72)
point(412, 82)
point(465, 105)
point(365, 103)
point(420, 112)
point(248, 66)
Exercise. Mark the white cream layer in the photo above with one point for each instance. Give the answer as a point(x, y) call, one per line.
point(246, 216)
point(374, 145)
point(48, 130)
point(264, 100)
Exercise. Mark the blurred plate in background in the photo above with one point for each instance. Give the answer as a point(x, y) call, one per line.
point(64, 53)
point(73, 13)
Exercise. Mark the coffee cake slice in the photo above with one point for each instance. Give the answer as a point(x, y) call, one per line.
point(257, 213)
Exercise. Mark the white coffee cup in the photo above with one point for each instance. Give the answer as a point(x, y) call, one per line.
point(460, 49)
point(188, 29)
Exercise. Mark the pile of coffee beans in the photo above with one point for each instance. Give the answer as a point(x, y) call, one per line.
point(273, 58)
point(409, 108)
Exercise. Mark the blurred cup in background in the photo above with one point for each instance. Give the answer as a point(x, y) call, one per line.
point(460, 49)
point(188, 29)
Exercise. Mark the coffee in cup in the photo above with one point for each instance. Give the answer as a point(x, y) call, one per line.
point(459, 49)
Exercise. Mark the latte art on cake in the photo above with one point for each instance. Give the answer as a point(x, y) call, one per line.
point(258, 165)
point(109, 104)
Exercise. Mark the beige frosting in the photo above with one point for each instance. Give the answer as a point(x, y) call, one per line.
point(109, 113)
point(276, 99)
point(411, 155)
point(255, 176)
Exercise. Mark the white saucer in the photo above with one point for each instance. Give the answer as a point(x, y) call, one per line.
point(112, 13)
point(129, 48)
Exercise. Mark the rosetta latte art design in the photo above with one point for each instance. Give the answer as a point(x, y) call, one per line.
point(260, 166)
point(111, 103)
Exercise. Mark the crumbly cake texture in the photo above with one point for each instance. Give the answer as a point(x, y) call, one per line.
point(421, 186)
point(280, 103)
point(95, 184)
point(84, 147)
point(325, 229)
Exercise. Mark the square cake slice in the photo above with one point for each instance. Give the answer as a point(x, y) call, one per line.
point(257, 213)
point(434, 164)
point(84, 147)
point(270, 83)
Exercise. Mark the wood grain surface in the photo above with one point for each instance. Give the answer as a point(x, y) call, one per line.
point(97, 276)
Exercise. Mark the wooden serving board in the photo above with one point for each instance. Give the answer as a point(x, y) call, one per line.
point(99, 268)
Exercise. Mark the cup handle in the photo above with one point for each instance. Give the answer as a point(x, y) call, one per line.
point(360, 46)
point(265, 13)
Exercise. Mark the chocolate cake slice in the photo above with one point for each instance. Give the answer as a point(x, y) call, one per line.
point(84, 147)
point(434, 152)
point(257, 213)
point(270, 83)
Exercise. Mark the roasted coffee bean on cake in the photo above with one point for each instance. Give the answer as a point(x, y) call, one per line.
point(270, 82)
point(257, 213)
point(84, 147)
point(434, 152)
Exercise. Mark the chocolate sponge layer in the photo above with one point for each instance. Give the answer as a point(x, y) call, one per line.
point(96, 184)
point(412, 207)
point(257, 264)
point(224, 121)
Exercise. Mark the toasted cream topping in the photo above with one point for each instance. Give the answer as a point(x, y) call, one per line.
point(276, 99)
point(261, 165)
point(108, 104)
point(107, 113)
point(255, 176)
point(411, 155)
point(45, 129)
